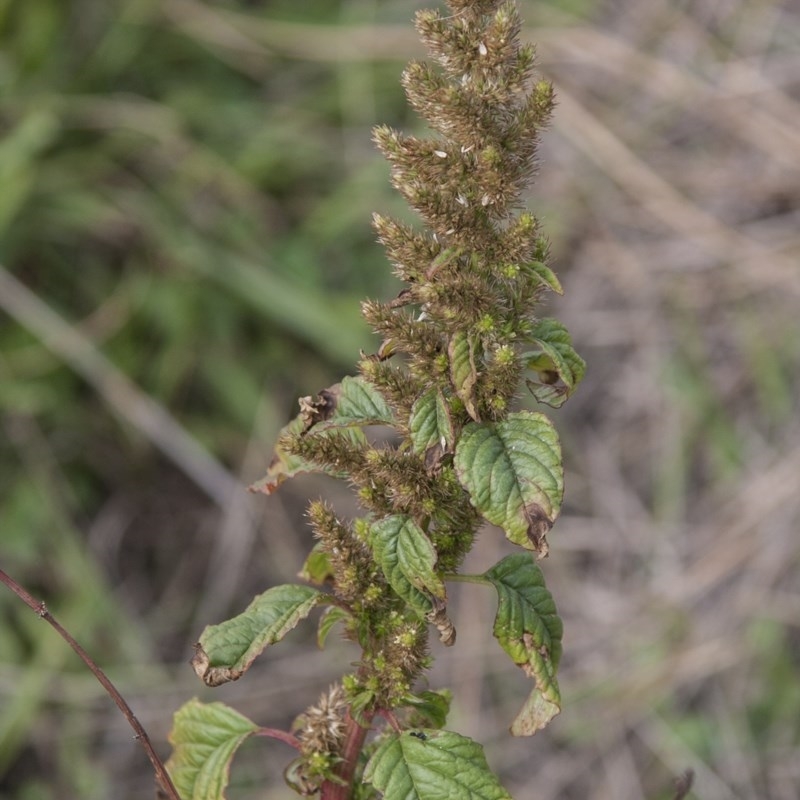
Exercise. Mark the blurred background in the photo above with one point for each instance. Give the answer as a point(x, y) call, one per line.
point(185, 199)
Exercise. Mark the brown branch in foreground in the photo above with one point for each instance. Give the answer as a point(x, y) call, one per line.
point(683, 784)
point(165, 784)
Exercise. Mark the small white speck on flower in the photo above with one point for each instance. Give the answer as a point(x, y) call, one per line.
point(440, 153)
point(482, 49)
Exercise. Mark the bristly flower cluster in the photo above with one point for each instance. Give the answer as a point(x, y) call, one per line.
point(320, 731)
point(470, 294)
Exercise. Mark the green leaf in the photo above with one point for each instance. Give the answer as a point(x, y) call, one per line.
point(204, 738)
point(432, 765)
point(560, 368)
point(226, 651)
point(543, 274)
point(329, 618)
point(513, 474)
point(529, 630)
point(355, 402)
point(463, 372)
point(360, 702)
point(430, 709)
point(285, 465)
point(335, 411)
point(430, 425)
point(407, 558)
point(317, 568)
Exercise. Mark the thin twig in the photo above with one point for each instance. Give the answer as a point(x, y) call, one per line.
point(40, 609)
point(683, 784)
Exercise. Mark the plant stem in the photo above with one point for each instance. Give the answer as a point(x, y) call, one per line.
point(281, 736)
point(466, 578)
point(40, 609)
point(353, 744)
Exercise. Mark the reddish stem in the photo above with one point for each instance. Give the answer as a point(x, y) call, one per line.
point(281, 736)
point(353, 745)
point(392, 720)
point(40, 609)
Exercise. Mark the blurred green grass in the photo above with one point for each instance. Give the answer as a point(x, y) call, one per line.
point(188, 187)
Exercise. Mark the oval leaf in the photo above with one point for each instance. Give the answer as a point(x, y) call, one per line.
point(512, 471)
point(350, 404)
point(529, 630)
point(430, 425)
point(204, 739)
point(542, 273)
point(354, 401)
point(559, 366)
point(285, 465)
point(407, 559)
point(430, 709)
point(432, 765)
point(329, 618)
point(317, 568)
point(463, 372)
point(226, 651)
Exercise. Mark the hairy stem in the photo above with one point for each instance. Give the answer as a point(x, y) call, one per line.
point(353, 744)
